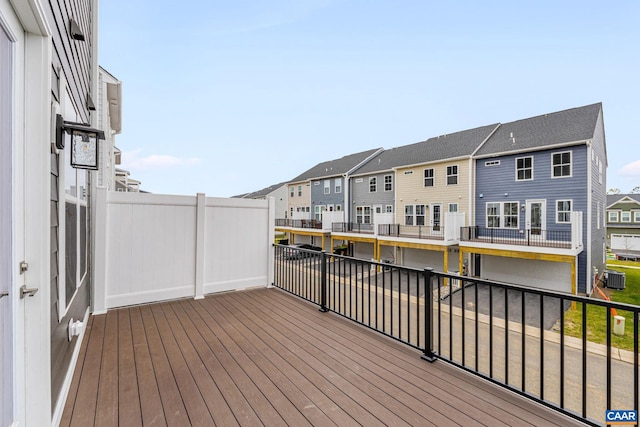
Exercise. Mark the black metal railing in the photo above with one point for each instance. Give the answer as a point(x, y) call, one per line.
point(514, 336)
point(435, 232)
point(299, 223)
point(514, 236)
point(351, 227)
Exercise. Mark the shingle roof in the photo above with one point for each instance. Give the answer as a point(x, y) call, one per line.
point(612, 199)
point(335, 167)
point(449, 146)
point(261, 193)
point(572, 125)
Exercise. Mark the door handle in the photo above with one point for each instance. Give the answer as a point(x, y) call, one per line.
point(24, 291)
point(4, 294)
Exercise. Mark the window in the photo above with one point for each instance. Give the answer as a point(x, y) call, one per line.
point(492, 163)
point(613, 216)
point(563, 211)
point(293, 191)
point(524, 169)
point(337, 185)
point(363, 214)
point(414, 214)
point(372, 184)
point(510, 210)
point(453, 207)
point(428, 178)
point(319, 209)
point(493, 215)
point(625, 216)
point(636, 216)
point(503, 214)
point(339, 208)
point(327, 186)
point(408, 215)
point(452, 175)
point(561, 164)
point(388, 182)
point(299, 190)
point(389, 209)
point(291, 213)
point(600, 171)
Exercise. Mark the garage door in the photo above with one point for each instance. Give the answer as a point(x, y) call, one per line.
point(625, 242)
point(554, 276)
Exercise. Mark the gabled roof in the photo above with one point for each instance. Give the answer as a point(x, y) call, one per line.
point(613, 199)
point(262, 193)
point(335, 167)
point(450, 146)
point(563, 127)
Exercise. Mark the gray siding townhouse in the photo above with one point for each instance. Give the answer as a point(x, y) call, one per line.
point(539, 202)
point(623, 224)
point(316, 191)
point(279, 192)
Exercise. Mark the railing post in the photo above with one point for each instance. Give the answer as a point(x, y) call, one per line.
point(428, 355)
point(323, 281)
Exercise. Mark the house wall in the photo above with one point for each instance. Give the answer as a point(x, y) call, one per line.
point(295, 201)
point(73, 78)
point(498, 184)
point(410, 189)
point(159, 247)
point(318, 198)
point(596, 251)
point(361, 196)
point(281, 199)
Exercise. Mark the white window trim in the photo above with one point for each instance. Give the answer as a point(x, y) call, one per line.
point(388, 208)
point(636, 216)
point(570, 165)
point(569, 211)
point(390, 183)
point(327, 186)
point(501, 214)
point(516, 166)
point(365, 218)
point(337, 186)
point(622, 215)
point(457, 174)
point(432, 178)
point(375, 183)
point(612, 214)
point(449, 205)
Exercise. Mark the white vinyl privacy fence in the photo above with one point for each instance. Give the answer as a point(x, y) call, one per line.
point(160, 247)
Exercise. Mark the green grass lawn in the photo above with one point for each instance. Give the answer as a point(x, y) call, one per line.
point(597, 316)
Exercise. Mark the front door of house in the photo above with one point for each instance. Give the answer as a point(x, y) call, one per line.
point(6, 317)
point(436, 216)
point(535, 216)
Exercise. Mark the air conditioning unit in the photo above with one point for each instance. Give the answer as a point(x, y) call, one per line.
point(614, 279)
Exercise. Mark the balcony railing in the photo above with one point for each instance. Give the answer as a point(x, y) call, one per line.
point(511, 335)
point(299, 223)
point(412, 231)
point(352, 227)
point(511, 236)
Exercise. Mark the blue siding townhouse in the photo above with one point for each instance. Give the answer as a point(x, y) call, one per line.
point(539, 201)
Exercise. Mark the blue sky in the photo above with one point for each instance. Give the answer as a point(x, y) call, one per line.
point(227, 97)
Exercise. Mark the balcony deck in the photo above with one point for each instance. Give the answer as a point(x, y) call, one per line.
point(265, 357)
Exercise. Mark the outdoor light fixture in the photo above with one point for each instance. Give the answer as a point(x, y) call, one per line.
point(522, 207)
point(84, 143)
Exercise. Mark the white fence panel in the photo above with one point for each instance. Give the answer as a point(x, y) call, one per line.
point(151, 247)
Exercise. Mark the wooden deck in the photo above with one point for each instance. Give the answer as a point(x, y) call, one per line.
point(263, 357)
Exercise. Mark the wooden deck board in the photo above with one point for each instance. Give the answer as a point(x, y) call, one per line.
point(265, 357)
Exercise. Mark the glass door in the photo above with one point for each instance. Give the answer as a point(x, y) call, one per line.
point(535, 220)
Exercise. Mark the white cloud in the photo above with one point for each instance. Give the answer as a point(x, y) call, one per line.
point(134, 161)
point(631, 169)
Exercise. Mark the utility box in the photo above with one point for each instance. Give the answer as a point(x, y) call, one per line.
point(614, 279)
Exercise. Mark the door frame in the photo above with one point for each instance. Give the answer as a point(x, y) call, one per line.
point(543, 212)
point(25, 22)
point(432, 207)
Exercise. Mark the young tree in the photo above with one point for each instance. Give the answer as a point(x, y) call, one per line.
point(636, 190)
point(613, 191)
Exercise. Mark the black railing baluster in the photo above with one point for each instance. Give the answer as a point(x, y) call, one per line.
point(584, 360)
point(428, 354)
point(506, 335)
point(323, 281)
point(562, 353)
point(608, 314)
point(542, 329)
point(523, 338)
point(475, 304)
point(462, 304)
